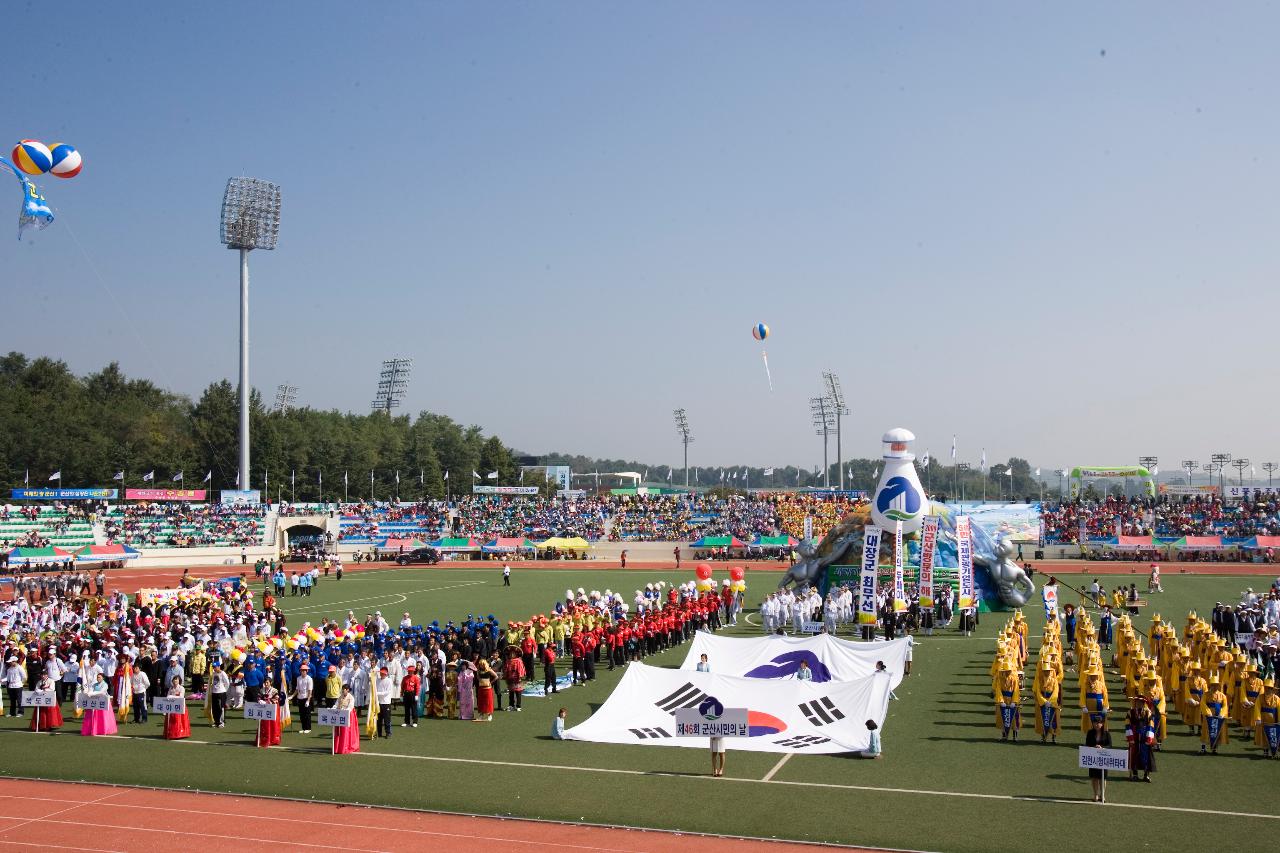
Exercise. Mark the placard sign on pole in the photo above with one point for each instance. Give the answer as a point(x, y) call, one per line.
point(964, 556)
point(93, 701)
point(899, 587)
point(38, 699)
point(1098, 758)
point(928, 542)
point(868, 578)
point(169, 704)
point(335, 717)
point(711, 719)
point(261, 710)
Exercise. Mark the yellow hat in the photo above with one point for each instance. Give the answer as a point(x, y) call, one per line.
point(1213, 679)
point(1270, 682)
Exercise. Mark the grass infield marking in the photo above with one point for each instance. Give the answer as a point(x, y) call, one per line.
point(826, 785)
point(781, 761)
point(402, 596)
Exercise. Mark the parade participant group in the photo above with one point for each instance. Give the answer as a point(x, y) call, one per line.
point(117, 661)
point(1210, 679)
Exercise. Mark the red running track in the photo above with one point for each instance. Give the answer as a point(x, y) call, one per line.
point(103, 818)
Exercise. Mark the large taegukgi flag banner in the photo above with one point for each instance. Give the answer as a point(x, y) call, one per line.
point(829, 658)
point(784, 716)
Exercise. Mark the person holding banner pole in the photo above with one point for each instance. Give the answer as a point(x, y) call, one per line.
point(46, 719)
point(346, 739)
point(1100, 737)
point(98, 721)
point(176, 725)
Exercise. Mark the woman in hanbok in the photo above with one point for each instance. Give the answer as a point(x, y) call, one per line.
point(46, 719)
point(176, 726)
point(269, 730)
point(346, 739)
point(98, 722)
point(485, 678)
point(435, 691)
point(451, 690)
point(466, 690)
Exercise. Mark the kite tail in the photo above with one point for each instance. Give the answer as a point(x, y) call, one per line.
point(767, 374)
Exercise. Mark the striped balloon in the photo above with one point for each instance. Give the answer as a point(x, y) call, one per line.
point(32, 157)
point(760, 331)
point(66, 160)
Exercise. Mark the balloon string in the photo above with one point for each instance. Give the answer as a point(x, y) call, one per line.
point(767, 374)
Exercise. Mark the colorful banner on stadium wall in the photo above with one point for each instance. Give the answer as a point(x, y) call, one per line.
point(964, 556)
point(164, 494)
point(241, 497)
point(63, 494)
point(783, 715)
point(869, 576)
point(1173, 490)
point(829, 658)
point(899, 587)
point(1236, 493)
point(928, 544)
point(504, 490)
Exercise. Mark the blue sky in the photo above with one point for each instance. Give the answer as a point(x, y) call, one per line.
point(1044, 228)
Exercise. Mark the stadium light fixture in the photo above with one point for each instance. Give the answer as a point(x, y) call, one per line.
point(250, 220)
point(1220, 461)
point(393, 384)
point(682, 429)
point(1270, 468)
point(1240, 464)
point(1190, 465)
point(836, 393)
point(824, 421)
point(286, 395)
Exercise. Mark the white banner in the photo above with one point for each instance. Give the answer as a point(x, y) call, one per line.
point(1049, 593)
point(869, 576)
point(169, 705)
point(774, 657)
point(711, 719)
point(964, 556)
point(783, 716)
point(899, 589)
point(504, 490)
point(335, 717)
point(808, 527)
point(928, 542)
point(38, 699)
point(260, 710)
point(1098, 758)
point(93, 701)
point(1235, 493)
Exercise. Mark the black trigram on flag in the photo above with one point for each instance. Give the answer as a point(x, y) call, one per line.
point(822, 711)
point(801, 741)
point(645, 734)
point(687, 696)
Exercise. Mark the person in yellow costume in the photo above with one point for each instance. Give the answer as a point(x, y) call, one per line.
point(1179, 674)
point(1048, 702)
point(1193, 698)
point(1137, 671)
point(1020, 633)
point(1153, 692)
point(1248, 710)
point(1266, 732)
point(1214, 731)
point(1094, 703)
point(1008, 695)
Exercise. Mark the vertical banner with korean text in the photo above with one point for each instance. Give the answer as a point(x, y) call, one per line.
point(964, 555)
point(868, 579)
point(928, 542)
point(899, 586)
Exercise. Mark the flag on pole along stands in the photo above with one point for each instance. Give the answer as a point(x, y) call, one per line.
point(149, 476)
point(492, 475)
point(928, 542)
point(475, 474)
point(953, 448)
point(422, 477)
point(208, 476)
point(1037, 472)
point(446, 475)
point(869, 576)
point(670, 471)
point(344, 479)
point(1008, 472)
point(177, 478)
point(397, 478)
point(899, 587)
point(768, 472)
point(56, 475)
point(924, 462)
point(964, 557)
point(119, 475)
point(983, 464)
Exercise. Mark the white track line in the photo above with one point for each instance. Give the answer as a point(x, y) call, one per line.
point(44, 845)
point(781, 761)
point(54, 814)
point(822, 785)
point(200, 832)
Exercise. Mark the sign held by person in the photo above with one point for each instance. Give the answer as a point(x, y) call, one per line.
point(1098, 758)
point(38, 699)
point(261, 710)
point(169, 704)
point(335, 717)
point(709, 718)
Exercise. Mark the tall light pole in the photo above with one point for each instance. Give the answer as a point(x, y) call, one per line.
point(1270, 468)
point(1190, 465)
point(250, 220)
point(682, 429)
point(1240, 465)
point(824, 420)
point(961, 467)
point(836, 393)
point(1150, 463)
point(1221, 460)
point(286, 395)
point(393, 384)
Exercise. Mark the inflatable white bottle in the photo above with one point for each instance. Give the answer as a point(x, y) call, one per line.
point(899, 496)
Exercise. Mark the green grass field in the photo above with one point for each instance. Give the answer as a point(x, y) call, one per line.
point(946, 781)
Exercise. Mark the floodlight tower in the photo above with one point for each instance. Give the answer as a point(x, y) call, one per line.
point(1150, 463)
point(1190, 465)
point(1240, 464)
point(393, 383)
point(1221, 460)
point(836, 393)
point(1270, 468)
point(824, 421)
point(285, 397)
point(250, 220)
point(682, 428)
